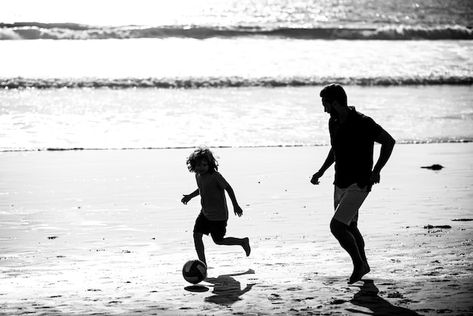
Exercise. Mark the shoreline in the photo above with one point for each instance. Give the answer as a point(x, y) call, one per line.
point(464, 140)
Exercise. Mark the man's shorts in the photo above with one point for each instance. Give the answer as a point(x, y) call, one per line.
point(217, 229)
point(347, 202)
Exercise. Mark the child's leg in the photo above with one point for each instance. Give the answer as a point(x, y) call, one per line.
point(199, 247)
point(232, 241)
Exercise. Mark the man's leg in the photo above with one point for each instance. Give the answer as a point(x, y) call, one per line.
point(359, 240)
point(199, 247)
point(347, 241)
point(343, 226)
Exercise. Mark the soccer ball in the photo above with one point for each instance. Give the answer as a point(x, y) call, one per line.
point(194, 271)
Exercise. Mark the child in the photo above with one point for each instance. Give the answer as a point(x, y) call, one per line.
point(214, 214)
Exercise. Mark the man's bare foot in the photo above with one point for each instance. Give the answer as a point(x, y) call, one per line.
point(246, 246)
point(359, 273)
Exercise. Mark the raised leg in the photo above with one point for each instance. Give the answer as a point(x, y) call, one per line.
point(232, 241)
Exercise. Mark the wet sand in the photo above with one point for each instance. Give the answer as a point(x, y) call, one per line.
point(104, 233)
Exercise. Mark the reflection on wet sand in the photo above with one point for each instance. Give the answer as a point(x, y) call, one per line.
point(368, 297)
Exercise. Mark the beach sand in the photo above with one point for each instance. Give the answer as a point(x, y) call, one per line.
point(104, 233)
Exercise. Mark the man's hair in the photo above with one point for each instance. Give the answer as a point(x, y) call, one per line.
point(334, 92)
point(202, 153)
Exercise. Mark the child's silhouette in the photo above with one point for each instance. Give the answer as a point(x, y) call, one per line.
point(214, 214)
point(227, 290)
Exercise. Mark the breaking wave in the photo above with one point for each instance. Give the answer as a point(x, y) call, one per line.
point(229, 82)
point(72, 31)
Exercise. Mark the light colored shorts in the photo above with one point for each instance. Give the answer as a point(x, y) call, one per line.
point(347, 202)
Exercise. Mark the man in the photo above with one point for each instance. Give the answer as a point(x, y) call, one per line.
point(352, 137)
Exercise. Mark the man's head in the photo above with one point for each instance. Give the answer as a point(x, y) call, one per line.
point(333, 97)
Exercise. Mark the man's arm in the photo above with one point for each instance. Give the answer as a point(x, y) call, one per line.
point(328, 162)
point(387, 145)
point(189, 197)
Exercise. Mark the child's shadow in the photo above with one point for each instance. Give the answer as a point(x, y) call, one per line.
point(227, 290)
point(368, 297)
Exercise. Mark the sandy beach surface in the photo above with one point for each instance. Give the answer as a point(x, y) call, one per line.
point(104, 233)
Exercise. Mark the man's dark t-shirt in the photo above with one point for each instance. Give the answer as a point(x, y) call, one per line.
point(352, 144)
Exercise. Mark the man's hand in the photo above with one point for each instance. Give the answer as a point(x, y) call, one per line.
point(315, 177)
point(186, 198)
point(374, 178)
point(238, 211)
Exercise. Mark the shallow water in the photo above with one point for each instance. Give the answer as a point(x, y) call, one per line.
point(251, 59)
point(141, 118)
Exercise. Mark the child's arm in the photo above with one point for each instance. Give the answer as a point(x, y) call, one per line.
point(236, 208)
point(188, 197)
point(226, 186)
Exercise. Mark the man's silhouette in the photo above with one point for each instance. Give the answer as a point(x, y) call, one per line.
point(352, 137)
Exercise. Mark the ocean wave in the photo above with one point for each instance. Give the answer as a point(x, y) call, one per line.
point(72, 31)
point(228, 82)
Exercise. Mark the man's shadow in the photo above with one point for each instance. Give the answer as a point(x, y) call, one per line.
point(368, 297)
point(227, 290)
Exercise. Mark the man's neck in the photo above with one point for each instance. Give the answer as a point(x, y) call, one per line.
point(343, 114)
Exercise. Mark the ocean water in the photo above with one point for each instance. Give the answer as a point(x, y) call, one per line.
point(249, 116)
point(229, 73)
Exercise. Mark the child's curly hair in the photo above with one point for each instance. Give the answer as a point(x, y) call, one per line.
point(199, 154)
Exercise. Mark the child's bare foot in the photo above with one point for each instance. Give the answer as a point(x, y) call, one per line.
point(246, 246)
point(359, 273)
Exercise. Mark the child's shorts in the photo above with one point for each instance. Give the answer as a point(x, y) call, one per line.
point(347, 202)
point(217, 229)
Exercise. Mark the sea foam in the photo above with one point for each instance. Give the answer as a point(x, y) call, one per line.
point(71, 31)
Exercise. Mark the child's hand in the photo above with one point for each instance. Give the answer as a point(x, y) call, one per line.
point(238, 211)
point(186, 198)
